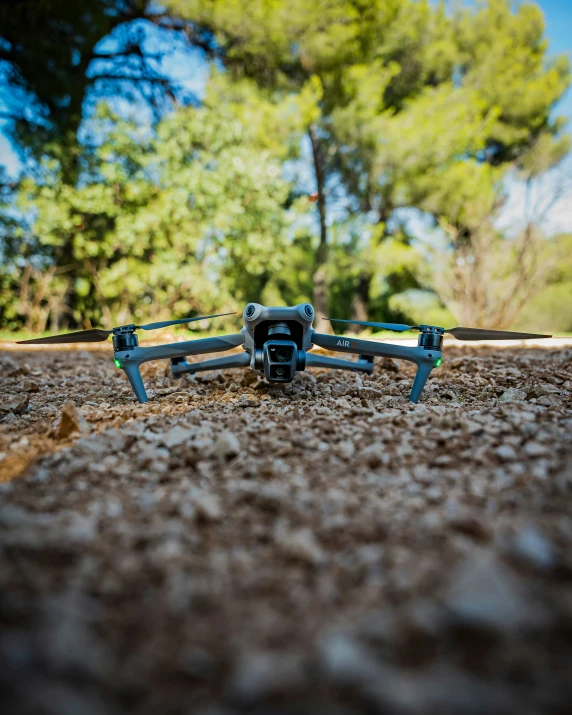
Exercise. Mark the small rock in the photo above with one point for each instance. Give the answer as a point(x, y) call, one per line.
point(513, 395)
point(506, 453)
point(375, 455)
point(176, 436)
point(70, 420)
point(443, 460)
point(82, 529)
point(467, 522)
point(247, 402)
point(549, 401)
point(301, 545)
point(16, 404)
point(273, 496)
point(532, 548)
point(227, 445)
point(345, 661)
point(31, 386)
point(261, 675)
point(535, 449)
point(483, 593)
point(388, 364)
point(346, 449)
point(9, 366)
point(207, 506)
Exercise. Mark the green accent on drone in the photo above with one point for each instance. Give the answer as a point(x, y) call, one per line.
point(438, 362)
point(117, 363)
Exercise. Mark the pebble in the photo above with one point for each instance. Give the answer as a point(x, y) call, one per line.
point(345, 661)
point(300, 544)
point(483, 593)
point(346, 449)
point(207, 506)
point(16, 405)
point(535, 449)
point(227, 445)
point(247, 402)
point(532, 548)
point(259, 675)
point(506, 453)
point(513, 394)
point(176, 436)
point(70, 420)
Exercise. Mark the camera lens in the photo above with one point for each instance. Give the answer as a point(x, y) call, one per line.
point(283, 354)
point(279, 371)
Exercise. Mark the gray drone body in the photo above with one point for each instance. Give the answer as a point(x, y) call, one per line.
point(277, 342)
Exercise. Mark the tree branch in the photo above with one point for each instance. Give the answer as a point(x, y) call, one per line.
point(130, 78)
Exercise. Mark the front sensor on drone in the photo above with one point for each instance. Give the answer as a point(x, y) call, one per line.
point(277, 341)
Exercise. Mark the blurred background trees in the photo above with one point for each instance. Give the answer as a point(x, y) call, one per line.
point(141, 196)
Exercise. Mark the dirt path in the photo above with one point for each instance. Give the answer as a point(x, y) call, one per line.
point(325, 547)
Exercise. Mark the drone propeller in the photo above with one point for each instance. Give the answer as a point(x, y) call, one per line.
point(96, 335)
point(396, 327)
point(480, 334)
point(458, 333)
point(167, 323)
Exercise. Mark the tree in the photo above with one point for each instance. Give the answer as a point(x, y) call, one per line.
point(398, 96)
point(451, 144)
point(55, 64)
point(385, 106)
point(310, 51)
point(61, 58)
point(192, 216)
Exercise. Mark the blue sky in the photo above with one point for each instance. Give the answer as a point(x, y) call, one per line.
point(558, 14)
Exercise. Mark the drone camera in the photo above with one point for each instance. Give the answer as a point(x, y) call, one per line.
point(280, 359)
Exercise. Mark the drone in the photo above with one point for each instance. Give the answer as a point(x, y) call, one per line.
point(277, 341)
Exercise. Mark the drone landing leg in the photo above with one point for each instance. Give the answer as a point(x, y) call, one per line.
point(222, 363)
point(134, 377)
point(337, 364)
point(423, 372)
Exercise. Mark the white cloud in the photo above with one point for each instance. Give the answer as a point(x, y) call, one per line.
point(547, 201)
point(8, 157)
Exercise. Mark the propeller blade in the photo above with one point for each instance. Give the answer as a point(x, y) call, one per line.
point(167, 323)
point(396, 327)
point(81, 336)
point(478, 334)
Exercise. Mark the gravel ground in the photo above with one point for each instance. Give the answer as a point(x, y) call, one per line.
point(323, 547)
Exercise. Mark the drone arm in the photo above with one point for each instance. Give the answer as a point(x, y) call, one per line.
point(222, 363)
point(313, 360)
point(189, 347)
point(131, 358)
point(424, 359)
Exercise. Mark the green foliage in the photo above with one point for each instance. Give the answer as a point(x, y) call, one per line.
point(191, 217)
point(552, 306)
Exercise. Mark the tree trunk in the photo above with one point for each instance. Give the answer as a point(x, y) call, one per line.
point(360, 303)
point(320, 297)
